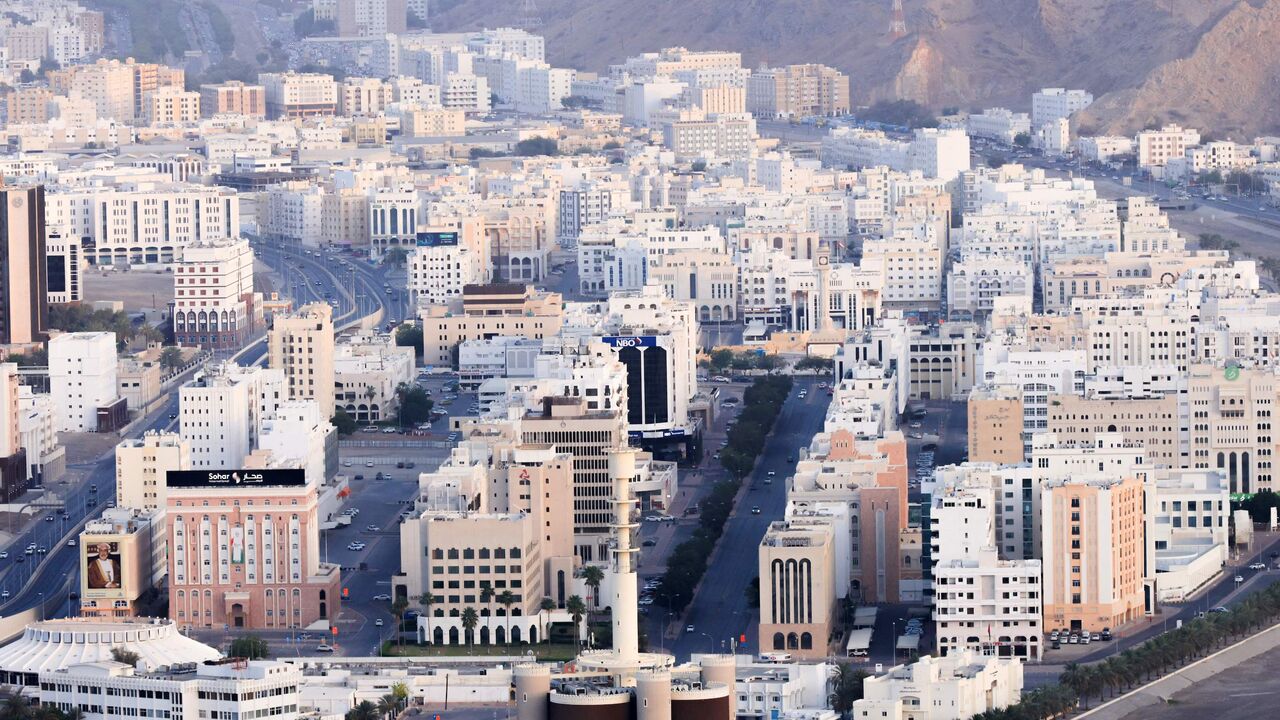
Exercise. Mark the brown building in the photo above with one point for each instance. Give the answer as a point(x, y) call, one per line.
point(995, 424)
point(92, 25)
point(797, 91)
point(488, 311)
point(24, 275)
point(29, 106)
point(233, 97)
point(1153, 422)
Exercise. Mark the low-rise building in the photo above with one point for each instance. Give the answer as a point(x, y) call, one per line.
point(951, 688)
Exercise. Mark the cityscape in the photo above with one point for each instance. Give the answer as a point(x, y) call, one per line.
point(390, 359)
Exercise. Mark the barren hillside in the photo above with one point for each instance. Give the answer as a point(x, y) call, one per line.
point(1214, 58)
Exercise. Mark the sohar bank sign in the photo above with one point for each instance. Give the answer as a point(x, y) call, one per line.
point(619, 342)
point(235, 478)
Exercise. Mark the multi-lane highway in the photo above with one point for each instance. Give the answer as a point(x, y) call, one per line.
point(719, 611)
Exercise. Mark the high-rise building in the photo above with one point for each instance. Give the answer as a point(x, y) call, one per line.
point(221, 413)
point(141, 466)
point(82, 376)
point(214, 304)
point(1093, 539)
point(797, 91)
point(244, 550)
point(301, 344)
point(797, 574)
point(13, 463)
point(24, 282)
point(233, 97)
point(371, 18)
point(296, 95)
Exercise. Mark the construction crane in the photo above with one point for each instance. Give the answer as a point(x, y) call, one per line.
point(898, 21)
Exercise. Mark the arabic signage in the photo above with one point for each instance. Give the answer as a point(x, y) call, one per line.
point(236, 478)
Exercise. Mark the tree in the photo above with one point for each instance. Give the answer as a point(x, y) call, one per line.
point(721, 358)
point(533, 146)
point(400, 692)
point(487, 594)
point(753, 593)
point(506, 599)
point(996, 160)
point(124, 655)
point(592, 575)
point(364, 711)
point(171, 358)
point(398, 608)
point(814, 363)
point(699, 166)
point(387, 706)
point(848, 687)
point(395, 256)
point(1022, 140)
point(426, 600)
point(546, 606)
point(415, 406)
point(577, 609)
point(469, 621)
point(408, 335)
point(250, 647)
point(343, 422)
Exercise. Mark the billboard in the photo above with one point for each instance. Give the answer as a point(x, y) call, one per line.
point(437, 239)
point(104, 568)
point(626, 341)
point(236, 478)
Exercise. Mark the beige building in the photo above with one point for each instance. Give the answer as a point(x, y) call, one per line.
point(995, 424)
point(302, 344)
point(141, 466)
point(1152, 422)
point(363, 96)
point(344, 217)
point(943, 362)
point(496, 517)
point(170, 106)
point(233, 97)
point(29, 106)
point(121, 558)
point(299, 95)
point(797, 91)
point(433, 122)
point(139, 379)
point(1157, 147)
point(719, 99)
point(1093, 551)
point(797, 597)
point(487, 311)
point(1231, 424)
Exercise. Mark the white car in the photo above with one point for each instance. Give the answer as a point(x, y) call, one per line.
point(322, 647)
point(4, 554)
point(383, 596)
point(378, 622)
point(653, 518)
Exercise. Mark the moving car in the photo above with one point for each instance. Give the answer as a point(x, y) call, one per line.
point(322, 647)
point(755, 509)
point(378, 622)
point(1258, 566)
point(382, 596)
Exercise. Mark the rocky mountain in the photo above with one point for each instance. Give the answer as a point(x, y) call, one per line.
point(1211, 63)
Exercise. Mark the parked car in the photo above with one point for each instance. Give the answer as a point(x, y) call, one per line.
point(1106, 633)
point(1258, 566)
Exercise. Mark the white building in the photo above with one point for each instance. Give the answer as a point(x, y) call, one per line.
point(297, 435)
point(981, 603)
point(1053, 104)
point(227, 688)
point(366, 373)
point(976, 280)
point(82, 377)
point(142, 225)
point(1000, 124)
point(214, 304)
point(938, 153)
point(437, 273)
point(221, 413)
point(141, 467)
point(950, 688)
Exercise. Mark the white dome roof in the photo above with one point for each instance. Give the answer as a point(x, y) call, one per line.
point(54, 644)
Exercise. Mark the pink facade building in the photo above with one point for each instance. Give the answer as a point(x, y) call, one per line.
point(244, 551)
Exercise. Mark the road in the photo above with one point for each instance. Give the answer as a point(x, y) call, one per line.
point(719, 611)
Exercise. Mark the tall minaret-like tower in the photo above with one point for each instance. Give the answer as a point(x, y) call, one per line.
point(626, 633)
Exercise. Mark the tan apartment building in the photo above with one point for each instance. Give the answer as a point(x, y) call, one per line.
point(302, 344)
point(797, 91)
point(142, 464)
point(1093, 552)
point(433, 122)
point(1231, 424)
point(797, 594)
point(486, 311)
point(299, 95)
point(1152, 422)
point(233, 97)
point(995, 424)
point(170, 106)
point(29, 106)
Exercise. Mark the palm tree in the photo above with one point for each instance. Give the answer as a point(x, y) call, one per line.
point(487, 594)
point(506, 599)
point(577, 609)
point(546, 606)
point(592, 575)
point(398, 609)
point(426, 600)
point(470, 618)
point(16, 707)
point(387, 706)
point(364, 711)
point(400, 692)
